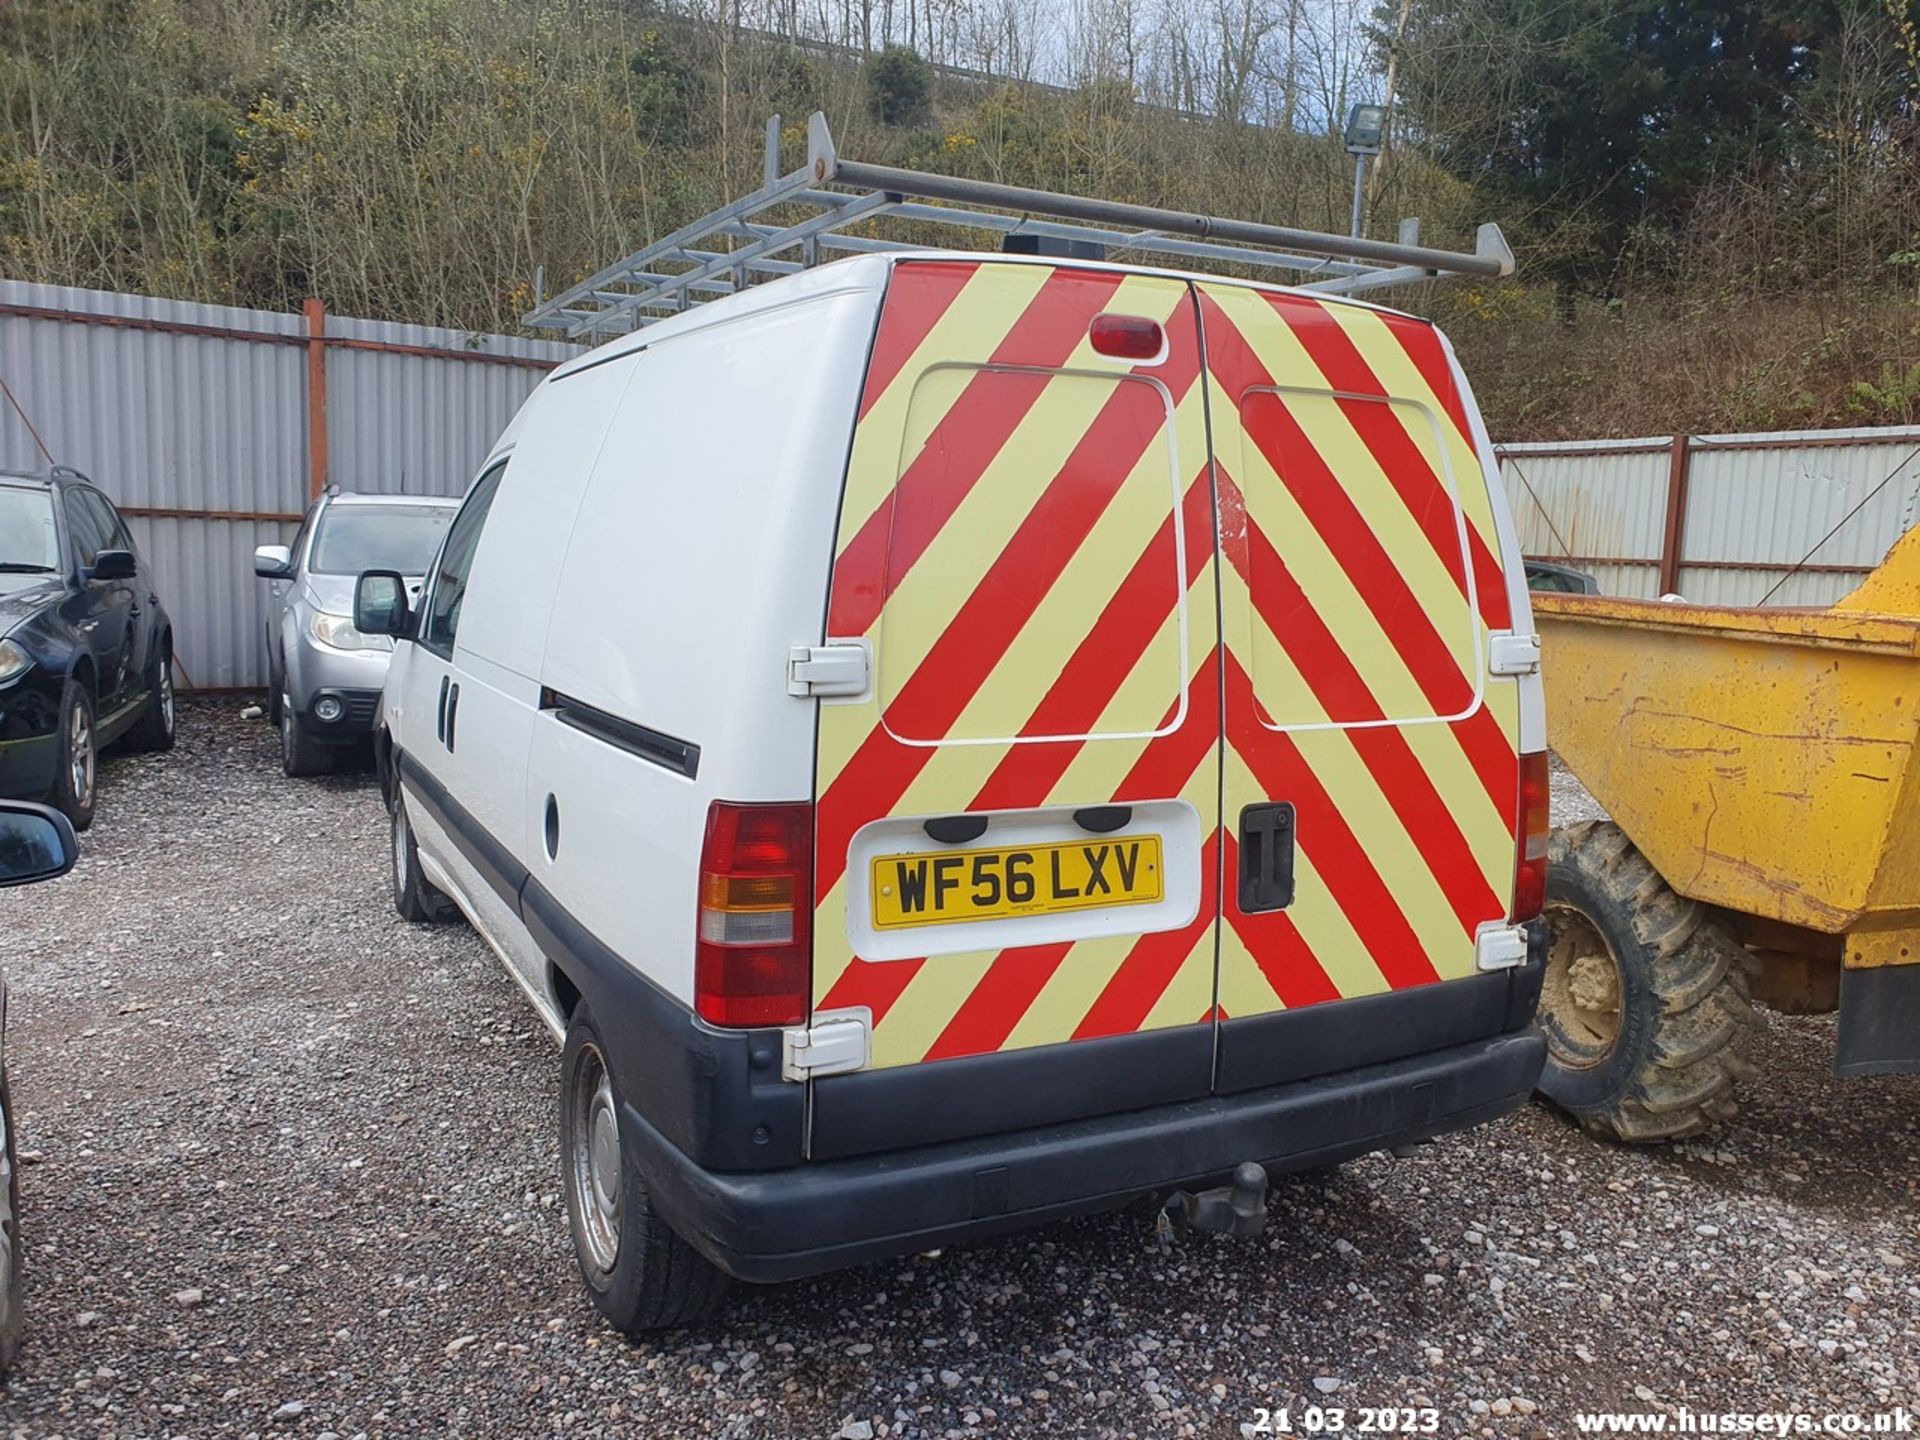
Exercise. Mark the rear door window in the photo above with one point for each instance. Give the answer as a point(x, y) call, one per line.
point(1049, 528)
point(1340, 534)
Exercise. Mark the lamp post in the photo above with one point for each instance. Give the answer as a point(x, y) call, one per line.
point(1366, 128)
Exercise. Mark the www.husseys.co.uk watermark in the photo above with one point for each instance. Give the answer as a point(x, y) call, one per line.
point(1898, 1421)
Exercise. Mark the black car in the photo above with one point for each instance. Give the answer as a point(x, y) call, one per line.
point(86, 651)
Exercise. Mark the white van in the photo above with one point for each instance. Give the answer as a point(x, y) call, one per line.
point(959, 740)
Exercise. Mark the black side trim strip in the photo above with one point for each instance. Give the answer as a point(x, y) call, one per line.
point(487, 855)
point(657, 747)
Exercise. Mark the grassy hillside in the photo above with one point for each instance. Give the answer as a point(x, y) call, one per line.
point(422, 159)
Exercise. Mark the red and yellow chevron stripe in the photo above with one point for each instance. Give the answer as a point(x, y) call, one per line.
point(1032, 540)
point(1360, 585)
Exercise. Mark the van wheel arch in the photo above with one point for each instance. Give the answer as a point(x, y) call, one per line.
point(565, 994)
point(383, 767)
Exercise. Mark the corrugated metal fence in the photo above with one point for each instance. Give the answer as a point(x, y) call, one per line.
point(211, 427)
point(1792, 517)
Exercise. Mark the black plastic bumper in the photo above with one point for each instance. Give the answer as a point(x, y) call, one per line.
point(359, 713)
point(29, 736)
point(782, 1224)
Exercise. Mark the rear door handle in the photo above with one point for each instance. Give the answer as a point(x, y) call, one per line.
point(1266, 857)
point(440, 714)
point(453, 713)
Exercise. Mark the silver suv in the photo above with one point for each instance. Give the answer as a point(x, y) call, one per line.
point(324, 675)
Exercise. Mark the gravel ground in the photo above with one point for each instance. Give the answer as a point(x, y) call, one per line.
point(292, 1172)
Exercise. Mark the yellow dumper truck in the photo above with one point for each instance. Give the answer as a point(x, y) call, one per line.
point(1764, 845)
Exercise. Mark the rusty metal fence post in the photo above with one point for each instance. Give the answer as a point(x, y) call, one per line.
point(1673, 540)
point(315, 310)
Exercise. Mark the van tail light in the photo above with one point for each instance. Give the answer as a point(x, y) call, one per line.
point(753, 960)
point(1127, 337)
point(1530, 839)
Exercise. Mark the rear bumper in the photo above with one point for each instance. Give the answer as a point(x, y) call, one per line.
point(782, 1224)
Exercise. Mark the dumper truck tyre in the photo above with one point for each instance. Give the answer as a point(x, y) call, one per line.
point(1645, 1003)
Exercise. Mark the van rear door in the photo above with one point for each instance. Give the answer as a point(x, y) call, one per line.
point(1017, 848)
point(1371, 775)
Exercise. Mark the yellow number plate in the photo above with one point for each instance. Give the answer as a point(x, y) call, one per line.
point(944, 886)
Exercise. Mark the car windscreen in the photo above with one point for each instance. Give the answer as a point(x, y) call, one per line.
point(354, 538)
point(28, 540)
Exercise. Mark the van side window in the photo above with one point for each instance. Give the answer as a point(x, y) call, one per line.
point(456, 564)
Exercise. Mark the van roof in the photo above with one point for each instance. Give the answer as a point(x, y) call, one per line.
point(856, 273)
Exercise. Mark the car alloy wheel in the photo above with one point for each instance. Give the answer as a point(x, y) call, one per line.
point(80, 756)
point(166, 692)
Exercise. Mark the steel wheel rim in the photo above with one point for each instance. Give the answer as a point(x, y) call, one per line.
point(400, 866)
point(80, 756)
point(593, 1149)
point(1581, 994)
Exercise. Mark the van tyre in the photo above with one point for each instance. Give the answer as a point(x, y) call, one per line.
point(414, 897)
point(77, 776)
point(1645, 1004)
point(641, 1275)
point(154, 729)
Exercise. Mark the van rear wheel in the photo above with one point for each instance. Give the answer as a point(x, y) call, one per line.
point(641, 1275)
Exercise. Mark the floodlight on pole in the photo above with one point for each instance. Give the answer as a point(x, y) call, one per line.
point(1366, 131)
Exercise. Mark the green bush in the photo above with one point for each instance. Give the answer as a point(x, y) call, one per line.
point(899, 87)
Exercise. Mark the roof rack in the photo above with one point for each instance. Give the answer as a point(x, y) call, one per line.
point(729, 250)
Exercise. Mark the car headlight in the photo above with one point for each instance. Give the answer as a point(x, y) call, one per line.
point(338, 631)
point(13, 661)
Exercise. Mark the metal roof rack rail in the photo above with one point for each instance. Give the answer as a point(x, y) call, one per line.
point(728, 250)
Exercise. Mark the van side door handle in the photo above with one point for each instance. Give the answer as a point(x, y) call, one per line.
point(453, 712)
point(1266, 857)
point(440, 715)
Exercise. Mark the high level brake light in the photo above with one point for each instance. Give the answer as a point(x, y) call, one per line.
point(1127, 337)
point(1530, 839)
point(753, 961)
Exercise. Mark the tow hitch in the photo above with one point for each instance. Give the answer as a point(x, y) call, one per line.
point(1236, 1209)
